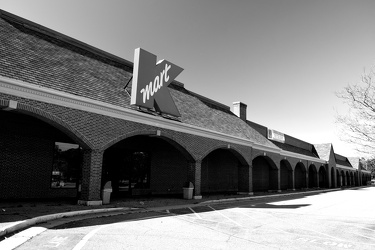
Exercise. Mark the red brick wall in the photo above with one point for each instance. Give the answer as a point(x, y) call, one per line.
point(99, 132)
point(26, 156)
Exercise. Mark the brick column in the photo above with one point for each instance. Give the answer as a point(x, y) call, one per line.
point(275, 180)
point(194, 176)
point(329, 176)
point(293, 181)
point(307, 179)
point(245, 179)
point(91, 177)
point(251, 186)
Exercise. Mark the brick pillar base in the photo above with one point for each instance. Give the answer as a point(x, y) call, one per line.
point(194, 176)
point(91, 178)
point(293, 181)
point(307, 179)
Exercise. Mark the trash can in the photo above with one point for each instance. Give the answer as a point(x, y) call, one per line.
point(188, 190)
point(106, 193)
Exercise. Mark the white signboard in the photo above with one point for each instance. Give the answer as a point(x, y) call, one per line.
point(276, 135)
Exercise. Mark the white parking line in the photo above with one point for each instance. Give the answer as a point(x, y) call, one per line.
point(235, 222)
point(361, 227)
point(196, 214)
point(87, 237)
point(93, 232)
point(296, 226)
point(361, 235)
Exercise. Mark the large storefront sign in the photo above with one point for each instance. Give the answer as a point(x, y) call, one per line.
point(150, 83)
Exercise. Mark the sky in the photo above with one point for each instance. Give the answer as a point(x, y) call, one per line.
point(285, 59)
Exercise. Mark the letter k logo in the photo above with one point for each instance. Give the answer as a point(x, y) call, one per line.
point(150, 82)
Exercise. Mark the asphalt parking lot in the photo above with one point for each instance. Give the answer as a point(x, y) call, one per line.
point(335, 220)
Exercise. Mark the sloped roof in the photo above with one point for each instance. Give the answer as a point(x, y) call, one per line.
point(357, 163)
point(40, 56)
point(323, 150)
point(294, 149)
point(342, 160)
point(291, 144)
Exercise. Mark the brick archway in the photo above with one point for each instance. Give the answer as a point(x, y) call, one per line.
point(286, 175)
point(300, 176)
point(55, 122)
point(265, 174)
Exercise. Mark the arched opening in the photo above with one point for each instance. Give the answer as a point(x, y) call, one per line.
point(300, 176)
point(323, 180)
point(356, 179)
point(220, 172)
point(313, 182)
point(364, 182)
point(37, 159)
point(265, 175)
point(145, 164)
point(343, 179)
point(351, 179)
point(286, 175)
point(338, 178)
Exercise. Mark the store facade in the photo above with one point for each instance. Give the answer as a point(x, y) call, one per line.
point(71, 123)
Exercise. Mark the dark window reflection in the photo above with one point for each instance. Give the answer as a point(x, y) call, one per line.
point(128, 171)
point(66, 168)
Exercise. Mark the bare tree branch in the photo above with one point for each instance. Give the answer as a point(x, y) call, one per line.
point(358, 125)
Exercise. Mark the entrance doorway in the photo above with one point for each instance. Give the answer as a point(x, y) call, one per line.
point(129, 172)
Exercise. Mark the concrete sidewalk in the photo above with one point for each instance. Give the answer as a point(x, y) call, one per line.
point(17, 216)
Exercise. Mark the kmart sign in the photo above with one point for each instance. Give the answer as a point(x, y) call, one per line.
point(150, 82)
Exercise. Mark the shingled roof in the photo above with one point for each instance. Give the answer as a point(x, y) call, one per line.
point(342, 160)
point(296, 149)
point(291, 144)
point(43, 57)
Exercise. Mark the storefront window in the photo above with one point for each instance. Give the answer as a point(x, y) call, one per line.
point(66, 168)
point(135, 173)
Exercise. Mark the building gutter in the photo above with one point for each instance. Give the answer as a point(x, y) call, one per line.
point(305, 157)
point(345, 167)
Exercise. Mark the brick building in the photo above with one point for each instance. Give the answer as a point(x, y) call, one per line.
point(67, 128)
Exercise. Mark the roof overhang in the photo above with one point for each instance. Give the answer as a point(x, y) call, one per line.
point(48, 95)
point(304, 157)
point(345, 167)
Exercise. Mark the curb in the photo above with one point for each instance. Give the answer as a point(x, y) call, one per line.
point(40, 219)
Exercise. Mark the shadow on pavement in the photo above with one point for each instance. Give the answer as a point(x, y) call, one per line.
point(15, 211)
point(190, 210)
